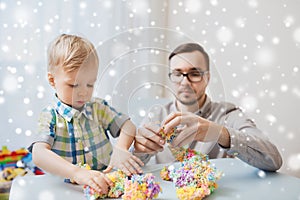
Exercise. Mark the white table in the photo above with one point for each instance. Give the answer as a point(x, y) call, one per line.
point(240, 181)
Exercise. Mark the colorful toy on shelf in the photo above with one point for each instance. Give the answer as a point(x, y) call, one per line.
point(13, 164)
point(19, 158)
point(10, 158)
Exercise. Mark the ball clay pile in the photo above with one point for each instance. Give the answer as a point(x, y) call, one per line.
point(117, 178)
point(194, 179)
point(136, 187)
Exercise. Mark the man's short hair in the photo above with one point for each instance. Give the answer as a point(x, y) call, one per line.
point(190, 47)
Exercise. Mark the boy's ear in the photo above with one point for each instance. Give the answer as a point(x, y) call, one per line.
point(51, 79)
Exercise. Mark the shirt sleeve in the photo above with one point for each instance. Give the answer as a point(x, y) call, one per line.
point(46, 128)
point(249, 143)
point(111, 119)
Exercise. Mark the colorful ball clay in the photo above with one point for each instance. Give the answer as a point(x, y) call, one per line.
point(141, 187)
point(194, 179)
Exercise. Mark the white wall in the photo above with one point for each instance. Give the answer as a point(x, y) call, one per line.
point(254, 46)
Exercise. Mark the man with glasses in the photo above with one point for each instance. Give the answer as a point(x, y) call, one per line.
point(219, 129)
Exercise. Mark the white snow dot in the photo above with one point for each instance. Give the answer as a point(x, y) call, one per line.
point(193, 6)
point(152, 23)
point(235, 93)
point(107, 4)
point(21, 182)
point(29, 113)
point(142, 113)
point(271, 118)
point(40, 95)
point(20, 79)
point(295, 69)
point(296, 35)
point(45, 194)
point(5, 48)
point(240, 22)
point(284, 88)
point(47, 27)
point(289, 21)
point(2, 6)
point(2, 100)
point(294, 162)
point(224, 35)
point(147, 86)
point(86, 149)
point(252, 3)
point(249, 103)
point(10, 83)
point(112, 72)
point(275, 40)
point(107, 97)
point(259, 38)
point(154, 69)
point(18, 131)
point(26, 100)
point(28, 132)
point(265, 57)
point(214, 2)
point(82, 5)
point(261, 174)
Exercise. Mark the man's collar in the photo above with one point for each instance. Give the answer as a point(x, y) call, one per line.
point(68, 112)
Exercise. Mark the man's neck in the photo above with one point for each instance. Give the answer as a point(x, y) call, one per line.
point(191, 108)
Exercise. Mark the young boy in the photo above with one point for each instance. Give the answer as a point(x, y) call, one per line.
point(74, 130)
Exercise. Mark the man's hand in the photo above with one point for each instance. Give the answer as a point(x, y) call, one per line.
point(191, 127)
point(125, 161)
point(147, 139)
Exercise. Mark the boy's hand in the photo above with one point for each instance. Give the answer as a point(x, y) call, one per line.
point(125, 161)
point(95, 179)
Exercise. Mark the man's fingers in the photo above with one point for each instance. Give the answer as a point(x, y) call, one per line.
point(186, 136)
point(152, 127)
point(141, 148)
point(176, 121)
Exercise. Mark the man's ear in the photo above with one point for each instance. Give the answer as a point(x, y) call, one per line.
point(207, 78)
point(51, 79)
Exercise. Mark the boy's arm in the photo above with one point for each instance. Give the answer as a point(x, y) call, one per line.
point(126, 138)
point(121, 157)
point(46, 159)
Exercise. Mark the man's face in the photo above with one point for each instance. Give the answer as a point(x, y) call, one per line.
point(187, 92)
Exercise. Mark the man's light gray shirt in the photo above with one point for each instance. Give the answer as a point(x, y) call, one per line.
point(247, 141)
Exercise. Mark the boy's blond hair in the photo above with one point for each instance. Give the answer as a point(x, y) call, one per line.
point(70, 52)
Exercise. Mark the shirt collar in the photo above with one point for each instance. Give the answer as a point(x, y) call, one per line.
point(69, 113)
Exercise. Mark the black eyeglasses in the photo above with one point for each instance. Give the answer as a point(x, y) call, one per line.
point(192, 76)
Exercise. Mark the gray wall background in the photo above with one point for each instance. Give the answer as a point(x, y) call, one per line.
point(254, 47)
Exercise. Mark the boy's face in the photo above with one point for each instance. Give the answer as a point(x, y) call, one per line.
point(75, 88)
